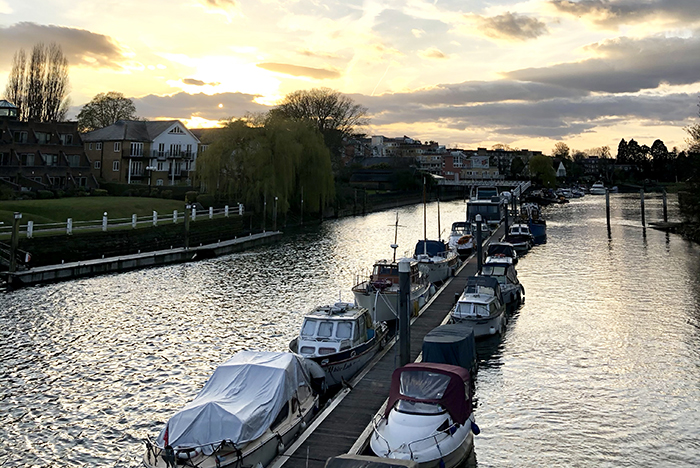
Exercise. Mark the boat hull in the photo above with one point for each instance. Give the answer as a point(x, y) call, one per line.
point(439, 271)
point(383, 305)
point(484, 327)
point(342, 367)
point(539, 232)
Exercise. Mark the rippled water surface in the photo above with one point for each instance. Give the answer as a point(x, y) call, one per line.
point(601, 366)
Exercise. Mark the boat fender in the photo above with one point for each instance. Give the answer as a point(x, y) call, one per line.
point(303, 425)
point(475, 429)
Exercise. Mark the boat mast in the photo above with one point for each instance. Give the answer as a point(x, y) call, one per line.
point(396, 233)
point(425, 227)
point(438, 203)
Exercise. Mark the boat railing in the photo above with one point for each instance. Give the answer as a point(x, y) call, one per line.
point(433, 437)
point(375, 421)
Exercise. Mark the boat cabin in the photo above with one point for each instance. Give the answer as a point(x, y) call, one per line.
point(503, 272)
point(385, 274)
point(481, 298)
point(431, 248)
point(460, 228)
point(332, 329)
point(522, 229)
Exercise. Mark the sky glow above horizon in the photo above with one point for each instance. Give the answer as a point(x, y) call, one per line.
point(465, 73)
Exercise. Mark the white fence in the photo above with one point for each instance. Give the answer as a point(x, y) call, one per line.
point(30, 229)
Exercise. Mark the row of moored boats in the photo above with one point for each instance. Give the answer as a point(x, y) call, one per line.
point(255, 404)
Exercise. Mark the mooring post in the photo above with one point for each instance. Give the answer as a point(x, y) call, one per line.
point(69, 226)
point(404, 312)
point(274, 216)
point(15, 241)
point(641, 197)
point(226, 211)
point(174, 216)
point(134, 219)
point(302, 206)
point(264, 210)
point(479, 253)
point(506, 221)
point(187, 226)
point(155, 218)
point(515, 206)
point(104, 221)
point(607, 209)
point(30, 229)
point(665, 208)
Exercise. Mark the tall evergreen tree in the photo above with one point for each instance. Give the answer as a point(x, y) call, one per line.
point(622, 153)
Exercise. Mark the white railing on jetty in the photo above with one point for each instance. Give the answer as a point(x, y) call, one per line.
point(30, 229)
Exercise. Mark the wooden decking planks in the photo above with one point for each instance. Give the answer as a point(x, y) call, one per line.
point(336, 434)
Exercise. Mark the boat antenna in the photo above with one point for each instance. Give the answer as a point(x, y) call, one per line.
point(396, 234)
point(438, 206)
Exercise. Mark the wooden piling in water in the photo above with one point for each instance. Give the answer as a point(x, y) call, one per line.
point(641, 196)
point(607, 209)
point(665, 208)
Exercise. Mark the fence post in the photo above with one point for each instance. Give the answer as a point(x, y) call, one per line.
point(194, 213)
point(174, 216)
point(30, 229)
point(134, 218)
point(187, 227)
point(104, 221)
point(240, 209)
point(155, 218)
point(15, 241)
point(226, 211)
point(69, 226)
point(211, 212)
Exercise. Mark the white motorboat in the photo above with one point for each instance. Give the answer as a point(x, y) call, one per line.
point(428, 418)
point(520, 236)
point(461, 238)
point(436, 260)
point(512, 291)
point(250, 409)
point(380, 293)
point(501, 251)
point(341, 338)
point(597, 189)
point(481, 305)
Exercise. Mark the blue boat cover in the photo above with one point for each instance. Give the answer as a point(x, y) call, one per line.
point(451, 344)
point(433, 248)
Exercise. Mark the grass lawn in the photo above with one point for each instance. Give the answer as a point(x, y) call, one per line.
point(85, 208)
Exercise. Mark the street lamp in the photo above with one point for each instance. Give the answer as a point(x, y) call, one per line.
point(150, 170)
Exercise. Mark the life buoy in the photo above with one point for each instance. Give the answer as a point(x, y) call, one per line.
point(464, 239)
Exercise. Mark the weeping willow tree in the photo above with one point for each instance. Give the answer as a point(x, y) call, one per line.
point(269, 156)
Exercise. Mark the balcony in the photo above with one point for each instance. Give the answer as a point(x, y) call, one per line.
point(163, 155)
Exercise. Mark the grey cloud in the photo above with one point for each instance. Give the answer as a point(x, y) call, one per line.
point(509, 26)
point(81, 47)
point(554, 118)
point(626, 65)
point(432, 53)
point(184, 106)
point(612, 13)
point(193, 82)
point(296, 70)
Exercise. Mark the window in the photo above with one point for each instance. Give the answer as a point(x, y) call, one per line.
point(66, 138)
point(177, 130)
point(43, 137)
point(136, 149)
point(117, 146)
point(4, 159)
point(136, 168)
point(74, 160)
point(27, 159)
point(159, 182)
point(161, 150)
point(160, 166)
point(115, 165)
point(97, 165)
point(90, 146)
point(203, 148)
point(175, 150)
point(98, 146)
point(189, 150)
point(344, 330)
point(325, 329)
point(19, 137)
point(51, 159)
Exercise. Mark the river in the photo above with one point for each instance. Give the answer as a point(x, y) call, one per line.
point(600, 367)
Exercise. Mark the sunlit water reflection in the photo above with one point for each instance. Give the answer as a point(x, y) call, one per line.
point(601, 367)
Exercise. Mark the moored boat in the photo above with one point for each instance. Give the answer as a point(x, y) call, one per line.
point(461, 238)
point(341, 338)
point(597, 189)
point(428, 418)
point(250, 409)
point(497, 251)
point(481, 306)
point(436, 260)
point(512, 291)
point(520, 236)
point(536, 222)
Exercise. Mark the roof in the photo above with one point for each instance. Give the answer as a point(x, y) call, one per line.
point(132, 130)
point(339, 310)
point(433, 247)
point(7, 104)
point(453, 398)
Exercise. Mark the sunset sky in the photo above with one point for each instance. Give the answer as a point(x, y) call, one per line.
point(466, 73)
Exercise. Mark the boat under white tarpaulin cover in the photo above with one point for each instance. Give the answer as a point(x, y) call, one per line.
point(239, 401)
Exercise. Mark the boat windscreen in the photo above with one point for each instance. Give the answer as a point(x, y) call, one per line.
point(418, 407)
point(344, 330)
point(469, 309)
point(309, 327)
point(495, 249)
point(423, 385)
point(493, 270)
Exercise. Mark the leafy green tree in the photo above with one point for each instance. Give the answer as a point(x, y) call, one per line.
point(517, 167)
point(542, 170)
point(273, 157)
point(104, 110)
point(661, 160)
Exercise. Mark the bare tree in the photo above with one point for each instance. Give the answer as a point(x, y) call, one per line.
point(104, 110)
point(40, 90)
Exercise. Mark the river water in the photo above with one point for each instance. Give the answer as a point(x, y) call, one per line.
point(600, 367)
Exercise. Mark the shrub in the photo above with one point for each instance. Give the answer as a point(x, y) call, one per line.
point(27, 196)
point(206, 200)
point(100, 193)
point(166, 194)
point(81, 193)
point(44, 194)
point(60, 194)
point(154, 193)
point(191, 196)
